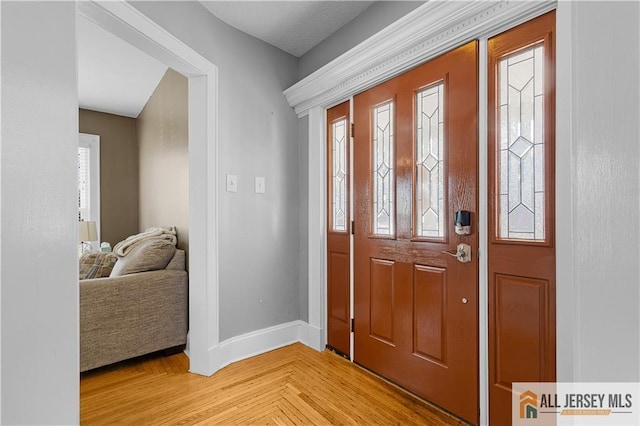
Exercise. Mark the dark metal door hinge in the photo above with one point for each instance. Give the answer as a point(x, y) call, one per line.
point(353, 227)
point(352, 129)
point(353, 324)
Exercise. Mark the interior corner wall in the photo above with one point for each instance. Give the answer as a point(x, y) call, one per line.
point(38, 248)
point(258, 234)
point(118, 172)
point(376, 17)
point(163, 142)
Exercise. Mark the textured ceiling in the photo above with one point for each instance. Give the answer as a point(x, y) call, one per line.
point(293, 26)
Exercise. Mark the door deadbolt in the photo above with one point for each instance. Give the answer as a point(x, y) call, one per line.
point(462, 220)
point(463, 253)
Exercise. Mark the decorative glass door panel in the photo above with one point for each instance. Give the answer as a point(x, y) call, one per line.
point(430, 163)
point(338, 235)
point(383, 170)
point(521, 255)
point(522, 145)
point(339, 146)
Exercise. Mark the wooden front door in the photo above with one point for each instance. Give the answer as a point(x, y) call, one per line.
point(339, 224)
point(522, 315)
point(415, 165)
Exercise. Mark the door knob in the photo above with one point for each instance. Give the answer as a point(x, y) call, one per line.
point(463, 253)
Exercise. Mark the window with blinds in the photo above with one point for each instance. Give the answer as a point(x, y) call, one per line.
point(84, 180)
point(89, 178)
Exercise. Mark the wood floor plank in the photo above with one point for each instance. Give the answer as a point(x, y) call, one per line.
point(294, 385)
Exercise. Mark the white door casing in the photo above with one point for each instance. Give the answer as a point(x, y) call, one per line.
point(126, 22)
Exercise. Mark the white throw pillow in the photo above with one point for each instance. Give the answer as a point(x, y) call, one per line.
point(147, 255)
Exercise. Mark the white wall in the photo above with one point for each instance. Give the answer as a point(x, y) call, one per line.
point(259, 233)
point(39, 279)
point(598, 191)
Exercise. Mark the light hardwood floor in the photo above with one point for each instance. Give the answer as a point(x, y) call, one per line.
point(294, 385)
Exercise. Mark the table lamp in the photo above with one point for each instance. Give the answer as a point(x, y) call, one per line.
point(87, 231)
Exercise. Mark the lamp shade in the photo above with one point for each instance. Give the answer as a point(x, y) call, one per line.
point(87, 231)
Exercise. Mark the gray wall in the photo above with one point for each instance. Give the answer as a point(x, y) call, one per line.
point(163, 145)
point(598, 202)
point(378, 16)
point(303, 170)
point(259, 233)
point(39, 208)
point(118, 172)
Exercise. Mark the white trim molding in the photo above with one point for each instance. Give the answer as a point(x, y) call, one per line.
point(483, 231)
point(317, 227)
point(1, 150)
point(258, 342)
point(568, 357)
point(312, 336)
point(126, 22)
point(428, 31)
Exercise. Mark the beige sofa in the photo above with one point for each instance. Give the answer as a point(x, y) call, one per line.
point(122, 317)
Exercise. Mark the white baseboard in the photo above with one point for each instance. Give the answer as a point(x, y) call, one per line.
point(261, 341)
point(312, 336)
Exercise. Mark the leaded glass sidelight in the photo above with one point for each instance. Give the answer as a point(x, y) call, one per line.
point(383, 171)
point(429, 149)
point(521, 179)
point(339, 175)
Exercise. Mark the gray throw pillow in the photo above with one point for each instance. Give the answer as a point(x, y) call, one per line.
point(147, 255)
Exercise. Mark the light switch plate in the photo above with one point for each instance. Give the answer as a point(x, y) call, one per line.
point(232, 183)
point(261, 185)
